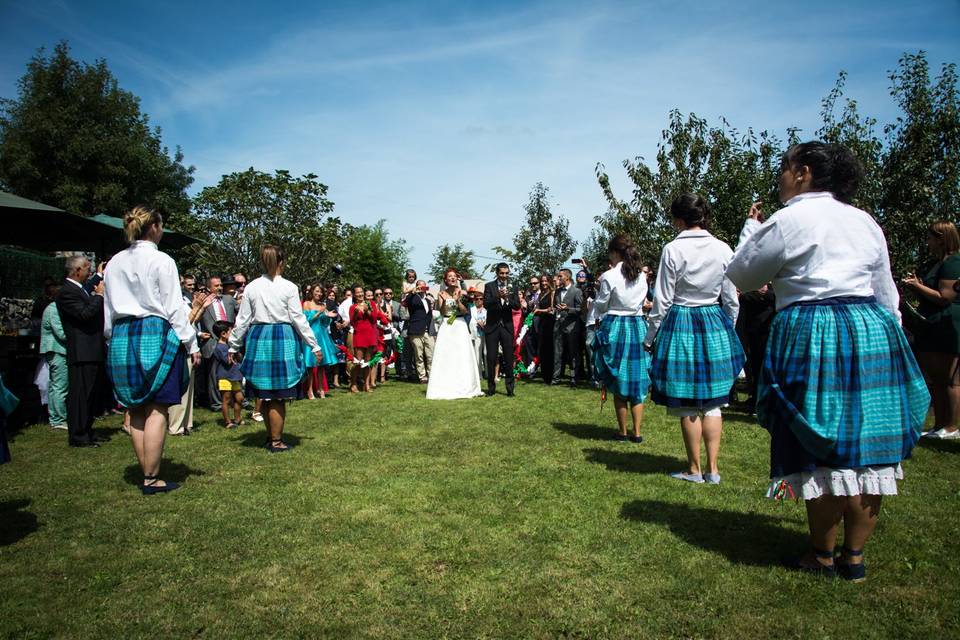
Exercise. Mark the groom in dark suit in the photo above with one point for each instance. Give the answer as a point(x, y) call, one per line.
point(500, 300)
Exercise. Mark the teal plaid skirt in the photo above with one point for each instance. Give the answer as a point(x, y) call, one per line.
point(141, 356)
point(620, 362)
point(839, 387)
point(272, 359)
point(696, 358)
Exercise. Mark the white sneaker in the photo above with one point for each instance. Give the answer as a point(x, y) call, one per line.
point(61, 427)
point(256, 417)
point(943, 434)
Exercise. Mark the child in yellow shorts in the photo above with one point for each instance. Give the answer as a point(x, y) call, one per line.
point(229, 377)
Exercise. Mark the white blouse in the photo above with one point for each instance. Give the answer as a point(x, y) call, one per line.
point(691, 274)
point(816, 247)
point(271, 301)
point(618, 297)
point(142, 281)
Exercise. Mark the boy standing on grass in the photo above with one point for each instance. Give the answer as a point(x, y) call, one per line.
point(228, 376)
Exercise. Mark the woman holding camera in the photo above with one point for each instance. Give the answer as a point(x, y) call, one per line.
point(937, 331)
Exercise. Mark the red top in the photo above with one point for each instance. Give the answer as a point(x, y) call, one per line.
point(365, 332)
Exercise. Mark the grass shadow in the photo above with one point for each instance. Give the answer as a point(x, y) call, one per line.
point(743, 538)
point(15, 522)
point(172, 471)
point(944, 446)
point(634, 461)
point(258, 438)
point(585, 431)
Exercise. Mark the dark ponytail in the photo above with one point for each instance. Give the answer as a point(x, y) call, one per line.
point(834, 167)
point(623, 246)
point(692, 209)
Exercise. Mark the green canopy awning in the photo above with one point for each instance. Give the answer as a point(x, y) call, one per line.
point(171, 239)
point(40, 227)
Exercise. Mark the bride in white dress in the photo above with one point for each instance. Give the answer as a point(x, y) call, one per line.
point(454, 372)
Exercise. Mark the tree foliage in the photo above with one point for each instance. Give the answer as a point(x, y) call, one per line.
point(73, 139)
point(249, 209)
point(544, 242)
point(455, 257)
point(912, 174)
point(372, 258)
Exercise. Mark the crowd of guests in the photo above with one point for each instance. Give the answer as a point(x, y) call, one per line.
point(805, 305)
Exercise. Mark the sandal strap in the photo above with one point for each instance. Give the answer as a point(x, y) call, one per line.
point(820, 553)
point(847, 551)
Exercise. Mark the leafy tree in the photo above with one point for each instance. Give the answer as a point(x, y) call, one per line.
point(373, 258)
point(921, 166)
point(912, 176)
point(456, 257)
point(729, 169)
point(544, 243)
point(249, 209)
point(73, 139)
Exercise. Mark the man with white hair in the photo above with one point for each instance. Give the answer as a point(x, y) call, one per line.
point(81, 313)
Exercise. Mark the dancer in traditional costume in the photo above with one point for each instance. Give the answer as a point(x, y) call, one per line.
point(620, 362)
point(269, 328)
point(840, 391)
point(150, 338)
point(696, 355)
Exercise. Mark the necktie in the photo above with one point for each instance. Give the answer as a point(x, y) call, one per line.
point(218, 306)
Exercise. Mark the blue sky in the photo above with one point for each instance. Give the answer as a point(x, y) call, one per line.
point(440, 116)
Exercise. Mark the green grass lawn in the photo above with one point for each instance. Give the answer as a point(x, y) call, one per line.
point(397, 517)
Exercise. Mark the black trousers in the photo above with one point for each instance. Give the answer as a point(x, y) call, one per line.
point(566, 348)
point(500, 338)
point(81, 400)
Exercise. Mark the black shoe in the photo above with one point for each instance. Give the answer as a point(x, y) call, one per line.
point(510, 386)
point(573, 384)
point(490, 391)
point(554, 383)
point(101, 438)
point(90, 444)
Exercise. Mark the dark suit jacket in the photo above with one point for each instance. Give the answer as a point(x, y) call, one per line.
point(419, 319)
point(499, 311)
point(571, 319)
point(82, 317)
point(209, 316)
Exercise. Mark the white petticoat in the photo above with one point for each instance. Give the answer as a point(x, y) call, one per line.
point(809, 485)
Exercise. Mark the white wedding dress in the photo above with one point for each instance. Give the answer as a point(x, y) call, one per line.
point(453, 373)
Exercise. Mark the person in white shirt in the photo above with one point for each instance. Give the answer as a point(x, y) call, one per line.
point(478, 321)
point(697, 355)
point(620, 361)
point(150, 336)
point(840, 393)
point(269, 327)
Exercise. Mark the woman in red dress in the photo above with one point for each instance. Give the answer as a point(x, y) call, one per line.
point(363, 317)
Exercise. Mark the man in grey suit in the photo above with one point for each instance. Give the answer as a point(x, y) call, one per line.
point(567, 329)
point(221, 308)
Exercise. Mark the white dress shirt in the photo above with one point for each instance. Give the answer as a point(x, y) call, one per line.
point(816, 247)
point(344, 311)
point(271, 301)
point(618, 297)
point(476, 317)
point(142, 281)
point(691, 274)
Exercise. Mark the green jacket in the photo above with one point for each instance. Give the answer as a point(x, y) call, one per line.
point(52, 337)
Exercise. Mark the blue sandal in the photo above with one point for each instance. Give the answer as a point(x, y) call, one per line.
point(827, 571)
point(851, 572)
point(152, 489)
